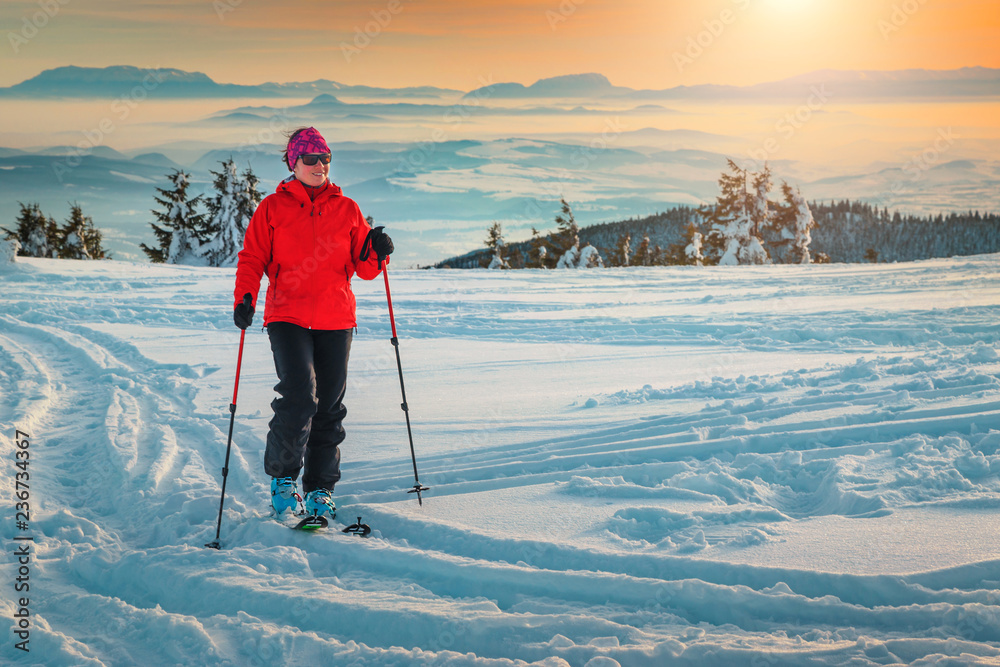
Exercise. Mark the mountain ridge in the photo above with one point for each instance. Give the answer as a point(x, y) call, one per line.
point(122, 80)
point(969, 81)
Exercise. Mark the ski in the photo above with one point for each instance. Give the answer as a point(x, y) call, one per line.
point(312, 523)
point(359, 529)
point(319, 524)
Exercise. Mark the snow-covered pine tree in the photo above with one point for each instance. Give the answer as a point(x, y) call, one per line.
point(569, 259)
point(761, 218)
point(736, 217)
point(567, 239)
point(538, 251)
point(229, 212)
point(590, 258)
point(587, 257)
point(495, 242)
point(621, 256)
point(37, 235)
point(728, 204)
point(180, 239)
point(801, 227)
point(78, 238)
point(644, 253)
point(693, 247)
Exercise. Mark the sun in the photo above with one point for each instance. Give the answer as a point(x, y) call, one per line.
point(798, 7)
point(808, 15)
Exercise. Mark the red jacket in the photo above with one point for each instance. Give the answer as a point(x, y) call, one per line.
point(309, 250)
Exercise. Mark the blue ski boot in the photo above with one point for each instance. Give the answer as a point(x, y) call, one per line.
point(284, 495)
point(320, 503)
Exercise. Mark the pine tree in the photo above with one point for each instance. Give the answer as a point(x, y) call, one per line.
point(495, 242)
point(761, 215)
point(622, 252)
point(229, 213)
point(37, 235)
point(567, 239)
point(569, 259)
point(568, 235)
point(644, 253)
point(180, 239)
point(658, 256)
point(538, 251)
point(590, 258)
point(693, 246)
point(78, 238)
point(738, 217)
point(802, 224)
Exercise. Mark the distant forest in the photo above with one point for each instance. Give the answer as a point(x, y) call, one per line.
point(844, 231)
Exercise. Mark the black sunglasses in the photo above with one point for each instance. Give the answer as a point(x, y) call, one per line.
point(310, 160)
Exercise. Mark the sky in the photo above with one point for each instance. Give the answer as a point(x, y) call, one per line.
point(461, 44)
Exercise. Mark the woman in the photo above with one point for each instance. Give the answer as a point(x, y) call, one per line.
point(308, 238)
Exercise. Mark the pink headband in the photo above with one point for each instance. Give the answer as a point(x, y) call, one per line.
point(308, 140)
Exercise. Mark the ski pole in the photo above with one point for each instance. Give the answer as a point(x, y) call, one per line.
point(229, 444)
point(418, 488)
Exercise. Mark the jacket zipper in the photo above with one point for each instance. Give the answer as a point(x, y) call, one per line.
point(312, 220)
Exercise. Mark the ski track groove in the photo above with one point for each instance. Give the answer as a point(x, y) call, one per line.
point(122, 444)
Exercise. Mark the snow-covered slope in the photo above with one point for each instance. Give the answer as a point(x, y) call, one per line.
point(699, 466)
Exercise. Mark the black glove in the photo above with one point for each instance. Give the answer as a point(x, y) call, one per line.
point(243, 314)
point(380, 243)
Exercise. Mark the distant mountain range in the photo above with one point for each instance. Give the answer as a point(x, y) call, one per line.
point(108, 82)
point(118, 81)
point(839, 84)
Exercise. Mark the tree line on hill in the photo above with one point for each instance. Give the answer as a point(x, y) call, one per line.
point(38, 235)
point(743, 226)
point(184, 234)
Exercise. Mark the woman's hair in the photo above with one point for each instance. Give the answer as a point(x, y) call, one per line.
point(289, 136)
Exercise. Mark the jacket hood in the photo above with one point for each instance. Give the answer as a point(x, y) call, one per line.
point(294, 187)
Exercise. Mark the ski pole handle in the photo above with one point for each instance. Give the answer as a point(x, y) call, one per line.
point(247, 301)
point(388, 298)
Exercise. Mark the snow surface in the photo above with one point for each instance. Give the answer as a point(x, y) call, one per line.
point(780, 465)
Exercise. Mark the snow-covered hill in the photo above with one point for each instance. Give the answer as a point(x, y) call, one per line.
point(779, 465)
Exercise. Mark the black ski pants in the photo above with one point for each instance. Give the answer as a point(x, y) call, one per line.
point(307, 427)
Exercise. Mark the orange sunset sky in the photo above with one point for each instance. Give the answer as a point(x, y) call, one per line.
point(456, 44)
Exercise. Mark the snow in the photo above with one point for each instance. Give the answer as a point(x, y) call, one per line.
point(8, 253)
point(767, 465)
point(576, 257)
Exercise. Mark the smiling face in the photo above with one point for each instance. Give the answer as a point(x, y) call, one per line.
point(313, 176)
